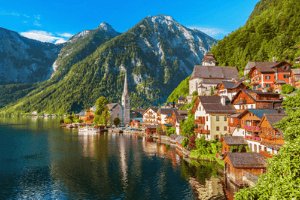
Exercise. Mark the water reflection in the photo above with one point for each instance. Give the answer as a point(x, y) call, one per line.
point(47, 162)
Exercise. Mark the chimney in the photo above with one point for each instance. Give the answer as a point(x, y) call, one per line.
point(223, 100)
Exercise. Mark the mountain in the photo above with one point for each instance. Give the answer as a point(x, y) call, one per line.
point(157, 53)
point(272, 31)
point(24, 60)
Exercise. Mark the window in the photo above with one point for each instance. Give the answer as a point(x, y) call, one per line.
point(217, 128)
point(225, 119)
point(267, 77)
point(267, 85)
point(286, 76)
point(206, 118)
point(217, 118)
point(225, 128)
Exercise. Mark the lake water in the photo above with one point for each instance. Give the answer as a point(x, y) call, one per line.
point(39, 160)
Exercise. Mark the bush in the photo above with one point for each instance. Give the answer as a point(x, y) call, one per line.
point(170, 131)
point(287, 89)
point(185, 142)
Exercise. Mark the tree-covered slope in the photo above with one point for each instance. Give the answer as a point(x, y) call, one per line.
point(181, 90)
point(157, 53)
point(272, 31)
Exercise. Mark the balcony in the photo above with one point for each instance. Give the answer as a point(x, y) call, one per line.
point(252, 128)
point(202, 131)
point(253, 138)
point(200, 121)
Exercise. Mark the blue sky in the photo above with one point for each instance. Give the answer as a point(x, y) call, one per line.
point(56, 21)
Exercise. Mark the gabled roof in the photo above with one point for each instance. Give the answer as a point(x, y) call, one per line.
point(180, 114)
point(166, 111)
point(261, 112)
point(247, 160)
point(254, 93)
point(234, 140)
point(212, 104)
point(267, 67)
point(209, 57)
point(152, 108)
point(111, 106)
point(231, 84)
point(274, 118)
point(252, 64)
point(215, 72)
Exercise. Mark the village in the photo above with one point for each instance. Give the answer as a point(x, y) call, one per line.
point(233, 119)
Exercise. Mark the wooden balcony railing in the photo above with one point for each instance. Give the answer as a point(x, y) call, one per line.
point(202, 131)
point(252, 128)
point(253, 138)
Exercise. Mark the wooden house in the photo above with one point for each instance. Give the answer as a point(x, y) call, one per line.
point(296, 77)
point(271, 76)
point(233, 144)
point(271, 137)
point(244, 168)
point(176, 117)
point(253, 99)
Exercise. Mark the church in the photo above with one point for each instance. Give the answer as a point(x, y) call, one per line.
point(125, 103)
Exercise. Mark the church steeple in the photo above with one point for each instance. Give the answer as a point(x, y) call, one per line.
point(125, 103)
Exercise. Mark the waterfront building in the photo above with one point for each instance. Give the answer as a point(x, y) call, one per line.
point(177, 117)
point(233, 144)
point(150, 116)
point(243, 169)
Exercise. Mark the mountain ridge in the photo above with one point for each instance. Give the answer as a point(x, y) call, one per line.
point(157, 52)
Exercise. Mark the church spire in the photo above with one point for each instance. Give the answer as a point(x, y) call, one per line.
point(125, 90)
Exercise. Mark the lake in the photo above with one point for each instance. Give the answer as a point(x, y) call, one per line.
point(40, 160)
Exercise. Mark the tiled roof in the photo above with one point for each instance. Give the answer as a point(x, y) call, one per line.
point(166, 111)
point(274, 118)
point(214, 72)
point(247, 160)
point(212, 104)
point(260, 112)
point(252, 64)
point(235, 140)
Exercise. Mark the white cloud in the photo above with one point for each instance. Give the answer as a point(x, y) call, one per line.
point(45, 36)
point(214, 32)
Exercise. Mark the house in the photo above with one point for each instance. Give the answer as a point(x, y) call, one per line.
point(234, 144)
point(296, 77)
point(270, 77)
point(234, 125)
point(176, 117)
point(205, 79)
point(244, 168)
point(209, 60)
point(89, 116)
point(250, 120)
point(181, 100)
point(115, 110)
point(211, 113)
point(253, 99)
point(163, 114)
point(271, 137)
point(252, 64)
point(229, 88)
point(150, 129)
point(150, 116)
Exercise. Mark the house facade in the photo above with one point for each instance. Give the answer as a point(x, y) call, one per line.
point(270, 77)
point(211, 116)
point(229, 88)
point(205, 79)
point(150, 116)
point(253, 99)
point(115, 111)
